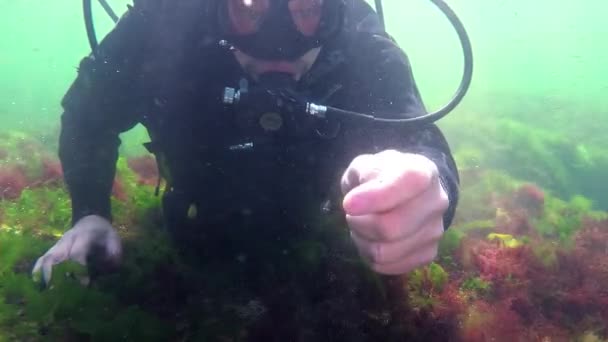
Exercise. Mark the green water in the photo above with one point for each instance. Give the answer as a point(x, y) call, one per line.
point(538, 63)
point(536, 112)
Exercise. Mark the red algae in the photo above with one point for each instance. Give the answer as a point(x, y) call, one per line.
point(51, 171)
point(496, 263)
point(451, 302)
point(118, 190)
point(146, 169)
point(521, 207)
point(12, 182)
point(540, 290)
point(531, 198)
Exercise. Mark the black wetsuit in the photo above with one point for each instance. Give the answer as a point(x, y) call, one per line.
point(173, 85)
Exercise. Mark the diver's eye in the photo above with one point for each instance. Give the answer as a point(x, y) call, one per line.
point(306, 14)
point(249, 12)
point(246, 15)
point(305, 9)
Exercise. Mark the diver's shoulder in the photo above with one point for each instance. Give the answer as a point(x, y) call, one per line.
point(376, 40)
point(371, 45)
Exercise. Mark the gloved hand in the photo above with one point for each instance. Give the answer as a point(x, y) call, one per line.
point(89, 234)
point(394, 205)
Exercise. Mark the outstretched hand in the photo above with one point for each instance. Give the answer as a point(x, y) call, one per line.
point(88, 234)
point(394, 205)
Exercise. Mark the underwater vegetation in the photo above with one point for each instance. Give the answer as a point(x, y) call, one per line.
point(550, 159)
point(520, 263)
point(534, 270)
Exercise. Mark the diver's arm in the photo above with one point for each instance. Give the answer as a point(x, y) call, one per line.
point(99, 106)
point(386, 88)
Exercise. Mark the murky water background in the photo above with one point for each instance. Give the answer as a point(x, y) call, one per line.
point(526, 259)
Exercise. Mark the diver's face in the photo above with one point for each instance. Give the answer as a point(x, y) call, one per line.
point(279, 25)
point(255, 67)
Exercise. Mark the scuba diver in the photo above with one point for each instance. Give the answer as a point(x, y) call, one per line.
point(226, 90)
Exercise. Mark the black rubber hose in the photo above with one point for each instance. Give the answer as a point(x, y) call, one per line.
point(108, 10)
point(430, 117)
point(89, 24)
point(380, 12)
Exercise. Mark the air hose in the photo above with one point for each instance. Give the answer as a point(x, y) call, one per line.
point(417, 120)
point(88, 21)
